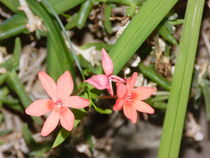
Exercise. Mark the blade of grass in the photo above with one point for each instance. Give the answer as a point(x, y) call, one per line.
point(11, 4)
point(15, 84)
point(166, 34)
point(177, 104)
point(62, 53)
point(3, 78)
point(61, 6)
point(13, 26)
point(53, 64)
point(72, 22)
point(16, 24)
point(124, 2)
point(149, 72)
point(206, 94)
point(13, 81)
point(84, 12)
point(140, 27)
point(107, 22)
point(58, 5)
point(67, 40)
point(13, 62)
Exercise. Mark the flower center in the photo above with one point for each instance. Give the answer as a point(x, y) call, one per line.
point(130, 97)
point(59, 103)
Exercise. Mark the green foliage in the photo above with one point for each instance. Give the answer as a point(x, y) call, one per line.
point(178, 99)
point(13, 26)
point(149, 72)
point(151, 14)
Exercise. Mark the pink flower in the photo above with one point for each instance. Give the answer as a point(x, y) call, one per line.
point(58, 104)
point(104, 81)
point(130, 98)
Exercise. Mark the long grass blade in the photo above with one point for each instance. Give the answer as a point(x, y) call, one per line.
point(140, 27)
point(177, 104)
point(16, 24)
point(13, 26)
point(62, 53)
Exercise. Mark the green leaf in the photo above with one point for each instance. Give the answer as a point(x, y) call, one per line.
point(62, 53)
point(149, 72)
point(16, 24)
point(151, 14)
point(61, 137)
point(107, 22)
point(15, 84)
point(13, 62)
point(84, 12)
point(3, 78)
point(13, 26)
point(85, 64)
point(102, 111)
point(63, 134)
point(11, 4)
point(206, 94)
point(61, 6)
point(54, 67)
point(165, 32)
point(72, 22)
point(178, 98)
point(27, 135)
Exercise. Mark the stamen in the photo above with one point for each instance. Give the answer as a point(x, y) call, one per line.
point(59, 103)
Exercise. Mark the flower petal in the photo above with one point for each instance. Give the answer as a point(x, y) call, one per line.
point(65, 85)
point(67, 119)
point(142, 93)
point(98, 81)
point(48, 84)
point(130, 112)
point(118, 105)
point(76, 102)
point(117, 79)
point(131, 81)
point(107, 63)
point(39, 107)
point(121, 90)
point(51, 123)
point(143, 107)
point(110, 88)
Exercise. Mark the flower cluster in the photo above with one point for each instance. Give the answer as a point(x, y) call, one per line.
point(128, 97)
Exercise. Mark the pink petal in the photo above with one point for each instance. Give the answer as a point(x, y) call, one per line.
point(76, 102)
point(142, 93)
point(107, 63)
point(98, 81)
point(131, 81)
point(48, 84)
point(39, 107)
point(110, 88)
point(143, 107)
point(130, 113)
point(117, 79)
point(121, 90)
point(65, 85)
point(118, 105)
point(67, 119)
point(51, 123)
